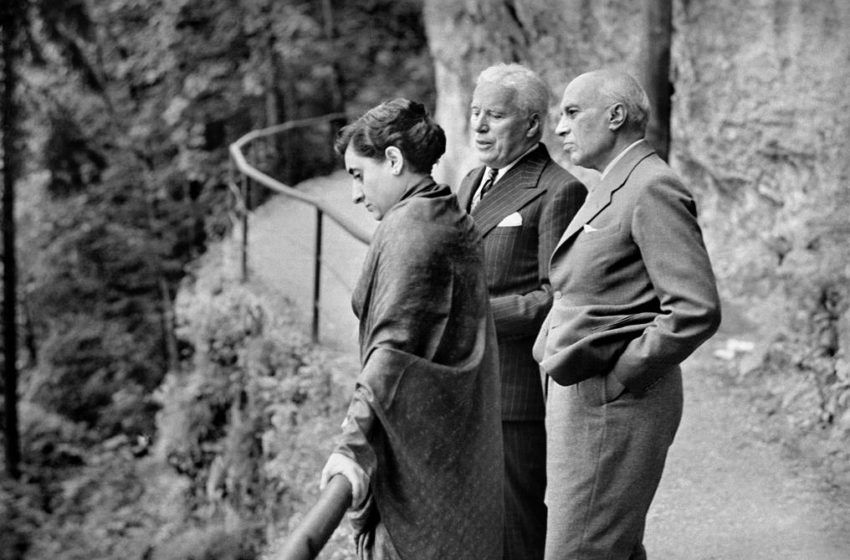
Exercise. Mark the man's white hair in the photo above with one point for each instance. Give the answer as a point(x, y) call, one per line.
point(532, 95)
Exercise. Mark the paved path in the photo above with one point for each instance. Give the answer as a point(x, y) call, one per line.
point(728, 492)
point(281, 237)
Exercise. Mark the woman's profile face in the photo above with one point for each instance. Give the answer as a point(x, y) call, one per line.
point(373, 182)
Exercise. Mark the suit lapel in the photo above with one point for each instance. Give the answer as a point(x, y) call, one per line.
point(600, 197)
point(513, 191)
point(468, 186)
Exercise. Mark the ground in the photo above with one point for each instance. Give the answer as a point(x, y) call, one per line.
point(732, 490)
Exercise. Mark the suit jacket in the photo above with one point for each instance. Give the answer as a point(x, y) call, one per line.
point(544, 197)
point(634, 290)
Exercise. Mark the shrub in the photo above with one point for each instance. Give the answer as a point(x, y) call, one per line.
point(250, 417)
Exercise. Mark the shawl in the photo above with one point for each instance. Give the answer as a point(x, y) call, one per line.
point(430, 375)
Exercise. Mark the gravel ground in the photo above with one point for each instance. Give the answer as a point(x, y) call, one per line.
point(733, 491)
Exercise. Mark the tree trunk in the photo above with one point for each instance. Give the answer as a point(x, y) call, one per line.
point(654, 71)
point(335, 77)
point(29, 337)
point(169, 339)
point(278, 145)
point(11, 35)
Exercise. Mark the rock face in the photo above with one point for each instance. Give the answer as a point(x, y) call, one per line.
point(760, 130)
point(760, 125)
point(760, 119)
point(558, 39)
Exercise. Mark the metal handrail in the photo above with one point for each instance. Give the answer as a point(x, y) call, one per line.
point(250, 173)
point(242, 165)
point(307, 540)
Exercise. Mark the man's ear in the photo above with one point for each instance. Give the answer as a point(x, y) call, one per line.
point(617, 116)
point(534, 126)
point(396, 159)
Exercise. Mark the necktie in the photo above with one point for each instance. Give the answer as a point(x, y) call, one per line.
point(485, 186)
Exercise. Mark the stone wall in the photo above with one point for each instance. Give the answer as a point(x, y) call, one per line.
point(761, 124)
point(760, 120)
point(558, 39)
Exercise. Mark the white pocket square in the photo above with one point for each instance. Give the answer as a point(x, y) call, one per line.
point(511, 220)
point(589, 228)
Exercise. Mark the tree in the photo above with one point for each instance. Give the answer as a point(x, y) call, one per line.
point(11, 23)
point(654, 71)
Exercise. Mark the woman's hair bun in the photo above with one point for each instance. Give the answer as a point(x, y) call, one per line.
point(402, 123)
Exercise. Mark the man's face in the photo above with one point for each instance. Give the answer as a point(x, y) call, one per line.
point(584, 125)
point(373, 183)
point(501, 131)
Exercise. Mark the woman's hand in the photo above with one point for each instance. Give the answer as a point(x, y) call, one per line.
point(342, 464)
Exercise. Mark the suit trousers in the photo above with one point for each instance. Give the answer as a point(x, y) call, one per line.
point(525, 487)
point(606, 456)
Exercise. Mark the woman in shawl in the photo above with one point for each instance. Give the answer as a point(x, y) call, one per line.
point(421, 443)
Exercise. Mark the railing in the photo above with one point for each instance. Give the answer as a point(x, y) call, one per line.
point(307, 540)
point(319, 523)
point(248, 175)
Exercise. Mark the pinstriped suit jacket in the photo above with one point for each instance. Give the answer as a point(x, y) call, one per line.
point(516, 259)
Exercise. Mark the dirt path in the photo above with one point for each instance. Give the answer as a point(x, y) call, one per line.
point(729, 492)
point(282, 240)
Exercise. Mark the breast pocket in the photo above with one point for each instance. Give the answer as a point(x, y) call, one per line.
point(598, 245)
point(603, 261)
point(593, 234)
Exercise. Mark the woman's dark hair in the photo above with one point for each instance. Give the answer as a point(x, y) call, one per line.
point(401, 123)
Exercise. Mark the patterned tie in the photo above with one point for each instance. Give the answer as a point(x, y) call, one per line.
point(488, 182)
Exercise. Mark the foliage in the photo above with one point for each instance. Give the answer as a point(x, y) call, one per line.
point(802, 295)
point(250, 418)
point(131, 107)
point(243, 428)
point(793, 274)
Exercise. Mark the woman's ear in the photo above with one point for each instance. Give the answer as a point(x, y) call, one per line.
point(396, 159)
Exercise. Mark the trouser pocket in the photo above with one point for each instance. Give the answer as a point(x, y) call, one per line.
point(600, 390)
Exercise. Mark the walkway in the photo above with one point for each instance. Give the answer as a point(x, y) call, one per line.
point(729, 493)
point(281, 237)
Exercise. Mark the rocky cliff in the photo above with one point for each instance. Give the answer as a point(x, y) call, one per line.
point(760, 131)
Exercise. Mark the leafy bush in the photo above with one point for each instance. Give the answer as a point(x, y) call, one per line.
point(251, 417)
point(243, 428)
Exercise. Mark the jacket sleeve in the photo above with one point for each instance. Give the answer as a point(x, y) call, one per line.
point(665, 228)
point(520, 315)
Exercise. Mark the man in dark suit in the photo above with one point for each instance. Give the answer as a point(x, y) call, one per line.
point(634, 296)
point(521, 202)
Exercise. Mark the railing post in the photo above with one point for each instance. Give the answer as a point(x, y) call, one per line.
point(246, 196)
point(248, 148)
point(317, 270)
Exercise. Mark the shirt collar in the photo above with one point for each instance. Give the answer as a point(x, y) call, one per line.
point(618, 158)
point(501, 172)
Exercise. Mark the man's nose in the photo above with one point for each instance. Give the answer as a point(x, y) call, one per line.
point(563, 127)
point(479, 122)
